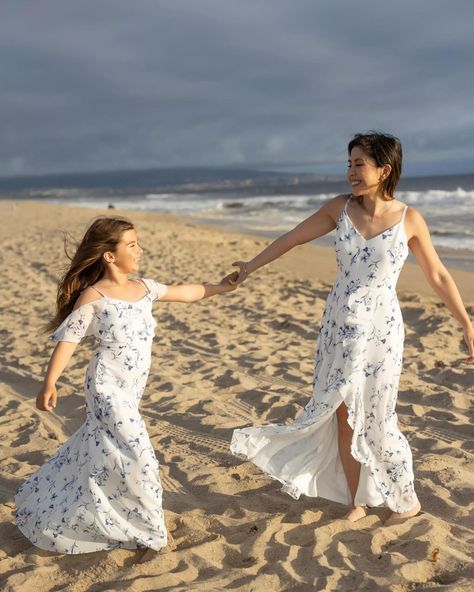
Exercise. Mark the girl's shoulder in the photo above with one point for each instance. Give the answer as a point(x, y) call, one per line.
point(156, 289)
point(87, 296)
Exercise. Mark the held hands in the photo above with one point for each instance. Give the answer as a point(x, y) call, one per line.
point(229, 282)
point(47, 398)
point(240, 276)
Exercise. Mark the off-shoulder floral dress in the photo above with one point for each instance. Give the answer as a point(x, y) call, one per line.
point(102, 490)
point(358, 361)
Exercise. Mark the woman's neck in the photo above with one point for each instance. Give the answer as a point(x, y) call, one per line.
point(375, 204)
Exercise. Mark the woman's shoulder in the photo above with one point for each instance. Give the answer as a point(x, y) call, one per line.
point(412, 215)
point(335, 205)
point(339, 199)
point(415, 223)
point(399, 207)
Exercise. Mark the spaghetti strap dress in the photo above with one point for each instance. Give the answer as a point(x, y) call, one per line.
point(358, 361)
point(102, 489)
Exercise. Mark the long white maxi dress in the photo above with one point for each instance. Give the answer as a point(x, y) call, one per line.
point(358, 362)
point(102, 490)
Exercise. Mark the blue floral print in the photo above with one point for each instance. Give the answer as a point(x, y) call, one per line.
point(102, 489)
point(358, 361)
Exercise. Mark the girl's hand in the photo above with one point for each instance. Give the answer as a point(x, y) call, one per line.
point(47, 398)
point(230, 281)
point(242, 274)
point(469, 339)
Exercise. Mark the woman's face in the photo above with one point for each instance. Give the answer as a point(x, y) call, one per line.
point(363, 174)
point(126, 256)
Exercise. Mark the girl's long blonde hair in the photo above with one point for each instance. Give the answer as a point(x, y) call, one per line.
point(87, 265)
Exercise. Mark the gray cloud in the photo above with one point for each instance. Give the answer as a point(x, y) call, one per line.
point(112, 84)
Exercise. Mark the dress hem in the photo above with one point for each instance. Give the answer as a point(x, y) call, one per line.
point(105, 547)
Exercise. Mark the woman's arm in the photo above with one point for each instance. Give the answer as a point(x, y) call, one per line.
point(437, 275)
point(194, 292)
point(318, 224)
point(62, 353)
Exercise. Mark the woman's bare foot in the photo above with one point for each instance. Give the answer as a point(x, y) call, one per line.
point(401, 517)
point(356, 513)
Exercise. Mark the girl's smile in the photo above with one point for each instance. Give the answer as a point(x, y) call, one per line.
point(128, 253)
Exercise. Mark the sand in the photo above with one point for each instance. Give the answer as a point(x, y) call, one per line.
point(239, 359)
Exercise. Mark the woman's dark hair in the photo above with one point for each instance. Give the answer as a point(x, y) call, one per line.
point(87, 266)
point(383, 149)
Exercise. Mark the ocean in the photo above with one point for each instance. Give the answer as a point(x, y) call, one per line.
point(263, 203)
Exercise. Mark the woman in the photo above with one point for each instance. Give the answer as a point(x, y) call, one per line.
point(345, 445)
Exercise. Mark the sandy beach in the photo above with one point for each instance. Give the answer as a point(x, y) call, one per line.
point(240, 359)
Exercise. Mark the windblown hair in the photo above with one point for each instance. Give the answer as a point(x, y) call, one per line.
point(87, 265)
point(383, 149)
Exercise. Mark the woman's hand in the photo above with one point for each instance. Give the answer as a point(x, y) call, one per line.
point(469, 339)
point(242, 274)
point(47, 398)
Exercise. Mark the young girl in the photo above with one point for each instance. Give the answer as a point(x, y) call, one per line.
point(345, 445)
point(102, 490)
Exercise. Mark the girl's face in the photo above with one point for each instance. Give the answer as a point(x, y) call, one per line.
point(362, 172)
point(126, 256)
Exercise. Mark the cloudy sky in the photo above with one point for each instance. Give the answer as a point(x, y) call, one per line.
point(113, 84)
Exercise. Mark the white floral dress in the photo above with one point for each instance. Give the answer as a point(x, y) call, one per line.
point(102, 490)
point(358, 361)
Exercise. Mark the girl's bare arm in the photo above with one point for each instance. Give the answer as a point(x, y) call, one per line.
point(62, 353)
point(194, 292)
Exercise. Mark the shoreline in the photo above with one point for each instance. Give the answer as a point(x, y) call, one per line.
point(322, 254)
point(461, 259)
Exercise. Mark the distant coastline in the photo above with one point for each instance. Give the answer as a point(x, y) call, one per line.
point(182, 180)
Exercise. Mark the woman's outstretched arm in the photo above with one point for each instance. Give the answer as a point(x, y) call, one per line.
point(437, 275)
point(318, 224)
